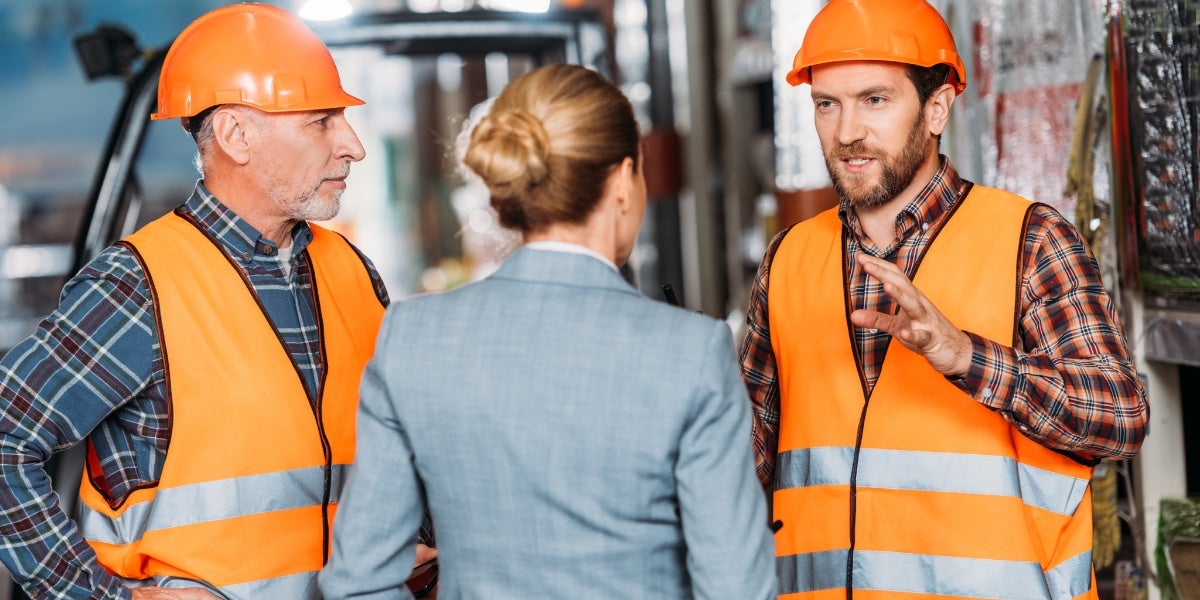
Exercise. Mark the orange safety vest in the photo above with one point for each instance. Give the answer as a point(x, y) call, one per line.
point(917, 490)
point(253, 470)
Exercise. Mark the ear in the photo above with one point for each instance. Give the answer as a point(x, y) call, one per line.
point(622, 180)
point(937, 109)
point(233, 132)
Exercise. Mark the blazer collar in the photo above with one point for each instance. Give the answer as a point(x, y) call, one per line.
point(566, 268)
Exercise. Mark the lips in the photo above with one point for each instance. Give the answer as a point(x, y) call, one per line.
point(856, 163)
point(338, 179)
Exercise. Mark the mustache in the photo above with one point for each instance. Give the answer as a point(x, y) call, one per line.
point(341, 173)
point(857, 148)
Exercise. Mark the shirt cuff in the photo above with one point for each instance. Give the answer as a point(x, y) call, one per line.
point(993, 373)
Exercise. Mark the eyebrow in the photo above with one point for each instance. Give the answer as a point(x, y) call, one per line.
point(878, 90)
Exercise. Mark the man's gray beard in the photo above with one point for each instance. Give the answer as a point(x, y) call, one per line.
point(311, 209)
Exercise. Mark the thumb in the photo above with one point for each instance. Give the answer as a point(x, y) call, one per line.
point(889, 324)
point(870, 319)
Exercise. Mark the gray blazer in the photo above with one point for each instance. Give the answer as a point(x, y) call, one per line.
point(570, 437)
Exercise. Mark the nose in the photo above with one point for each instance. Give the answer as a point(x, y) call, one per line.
point(850, 126)
point(349, 147)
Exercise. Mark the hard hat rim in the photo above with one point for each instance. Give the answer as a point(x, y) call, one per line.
point(802, 75)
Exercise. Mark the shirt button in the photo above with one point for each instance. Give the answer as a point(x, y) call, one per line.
point(986, 393)
point(245, 257)
point(924, 226)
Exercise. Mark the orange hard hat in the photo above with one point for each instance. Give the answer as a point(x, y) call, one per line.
point(254, 54)
point(903, 31)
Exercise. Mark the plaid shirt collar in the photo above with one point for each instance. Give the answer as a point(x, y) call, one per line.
point(238, 237)
point(931, 204)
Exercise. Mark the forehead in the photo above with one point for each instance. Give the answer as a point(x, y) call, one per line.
point(292, 119)
point(853, 76)
point(302, 115)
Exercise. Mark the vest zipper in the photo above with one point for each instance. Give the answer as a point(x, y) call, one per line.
point(862, 418)
point(862, 422)
point(327, 487)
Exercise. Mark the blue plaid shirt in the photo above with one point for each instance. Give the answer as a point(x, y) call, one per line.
point(94, 366)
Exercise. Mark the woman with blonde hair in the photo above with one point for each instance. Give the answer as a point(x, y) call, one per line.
point(570, 437)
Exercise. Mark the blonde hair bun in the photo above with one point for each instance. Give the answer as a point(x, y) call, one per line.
point(510, 152)
point(546, 145)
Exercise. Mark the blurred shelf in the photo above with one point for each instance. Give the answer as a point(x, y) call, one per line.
point(751, 62)
point(1172, 330)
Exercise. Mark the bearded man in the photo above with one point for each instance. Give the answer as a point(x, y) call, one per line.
point(934, 366)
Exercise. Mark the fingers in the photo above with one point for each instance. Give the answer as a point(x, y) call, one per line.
point(870, 319)
point(918, 324)
point(895, 283)
point(902, 291)
point(425, 554)
point(912, 323)
point(897, 326)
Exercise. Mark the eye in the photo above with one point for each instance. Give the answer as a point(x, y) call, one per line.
point(876, 100)
point(823, 104)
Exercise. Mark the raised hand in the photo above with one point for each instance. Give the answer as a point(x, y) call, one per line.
point(918, 325)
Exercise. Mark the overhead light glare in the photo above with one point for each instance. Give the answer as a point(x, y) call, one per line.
point(325, 10)
point(529, 6)
point(423, 6)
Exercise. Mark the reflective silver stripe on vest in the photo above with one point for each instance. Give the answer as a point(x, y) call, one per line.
point(927, 574)
point(301, 586)
point(932, 471)
point(213, 501)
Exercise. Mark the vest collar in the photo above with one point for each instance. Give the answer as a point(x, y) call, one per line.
point(931, 205)
point(237, 237)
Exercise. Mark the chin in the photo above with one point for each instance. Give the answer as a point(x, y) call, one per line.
point(327, 211)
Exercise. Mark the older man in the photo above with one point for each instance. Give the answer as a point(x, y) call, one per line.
point(212, 359)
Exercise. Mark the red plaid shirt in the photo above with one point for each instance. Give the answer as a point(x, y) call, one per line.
point(1071, 386)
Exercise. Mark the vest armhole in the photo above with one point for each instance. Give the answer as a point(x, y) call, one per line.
point(769, 259)
point(1020, 290)
point(773, 247)
point(1019, 284)
point(115, 503)
point(376, 283)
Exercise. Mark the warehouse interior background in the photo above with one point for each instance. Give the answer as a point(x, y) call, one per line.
point(1090, 106)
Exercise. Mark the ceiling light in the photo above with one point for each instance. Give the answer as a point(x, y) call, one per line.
point(325, 10)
